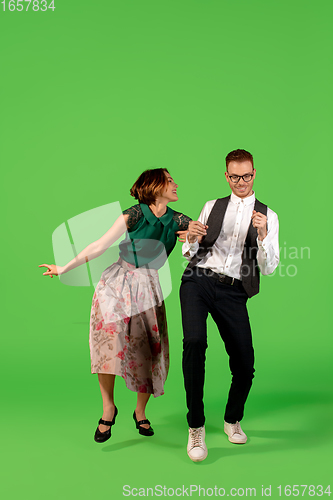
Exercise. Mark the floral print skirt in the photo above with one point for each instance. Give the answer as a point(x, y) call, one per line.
point(128, 328)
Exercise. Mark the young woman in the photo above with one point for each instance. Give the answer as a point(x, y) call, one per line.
point(128, 328)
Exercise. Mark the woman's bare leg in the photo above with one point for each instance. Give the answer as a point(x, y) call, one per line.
point(141, 406)
point(106, 384)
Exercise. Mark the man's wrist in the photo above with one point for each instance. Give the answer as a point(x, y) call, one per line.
point(192, 239)
point(262, 237)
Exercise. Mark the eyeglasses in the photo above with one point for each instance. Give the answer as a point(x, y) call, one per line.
point(236, 178)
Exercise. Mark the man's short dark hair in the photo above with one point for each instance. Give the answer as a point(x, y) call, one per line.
point(238, 155)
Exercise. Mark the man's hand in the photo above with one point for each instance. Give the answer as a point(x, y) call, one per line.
point(196, 231)
point(259, 221)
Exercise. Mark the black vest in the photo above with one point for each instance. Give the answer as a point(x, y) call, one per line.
point(249, 266)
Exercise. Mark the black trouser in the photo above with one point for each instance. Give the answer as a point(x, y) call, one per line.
point(200, 295)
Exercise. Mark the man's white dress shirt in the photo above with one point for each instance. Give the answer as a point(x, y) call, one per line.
point(227, 251)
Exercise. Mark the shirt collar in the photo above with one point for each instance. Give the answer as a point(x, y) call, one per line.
point(152, 219)
point(247, 201)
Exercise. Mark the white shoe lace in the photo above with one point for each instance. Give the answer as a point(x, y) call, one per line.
point(236, 428)
point(196, 437)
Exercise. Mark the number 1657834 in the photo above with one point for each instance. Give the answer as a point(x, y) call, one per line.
point(25, 5)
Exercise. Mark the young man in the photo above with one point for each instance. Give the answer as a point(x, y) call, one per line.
point(233, 237)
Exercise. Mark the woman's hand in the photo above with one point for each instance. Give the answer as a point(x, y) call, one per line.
point(182, 236)
point(52, 270)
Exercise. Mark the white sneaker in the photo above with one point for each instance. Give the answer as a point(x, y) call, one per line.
point(235, 433)
point(196, 447)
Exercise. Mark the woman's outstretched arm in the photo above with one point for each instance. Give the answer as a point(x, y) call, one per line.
point(93, 250)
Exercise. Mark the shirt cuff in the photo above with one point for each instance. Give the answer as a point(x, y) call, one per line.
point(192, 248)
point(263, 245)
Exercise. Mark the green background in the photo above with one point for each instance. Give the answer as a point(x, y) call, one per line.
point(91, 95)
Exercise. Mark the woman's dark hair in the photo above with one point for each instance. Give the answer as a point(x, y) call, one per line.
point(149, 185)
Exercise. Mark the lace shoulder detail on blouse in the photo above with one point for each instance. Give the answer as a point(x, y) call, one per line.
point(134, 215)
point(181, 220)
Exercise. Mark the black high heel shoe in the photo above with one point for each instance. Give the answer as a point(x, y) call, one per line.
point(101, 437)
point(142, 430)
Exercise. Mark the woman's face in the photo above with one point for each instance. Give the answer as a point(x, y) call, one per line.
point(170, 191)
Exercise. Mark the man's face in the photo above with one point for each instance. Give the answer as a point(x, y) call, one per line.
point(241, 188)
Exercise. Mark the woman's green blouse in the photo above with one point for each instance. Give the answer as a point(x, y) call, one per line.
point(151, 239)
